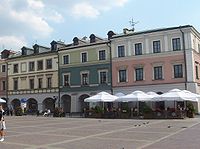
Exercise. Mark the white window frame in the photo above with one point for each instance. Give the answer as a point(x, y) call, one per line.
point(81, 56)
point(99, 55)
point(63, 83)
point(103, 70)
point(83, 72)
point(126, 75)
point(68, 59)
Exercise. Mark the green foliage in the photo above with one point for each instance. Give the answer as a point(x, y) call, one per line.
point(98, 109)
point(146, 109)
point(190, 107)
point(18, 111)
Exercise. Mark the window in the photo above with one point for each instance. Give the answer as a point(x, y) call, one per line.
point(197, 72)
point(39, 83)
point(121, 51)
point(139, 74)
point(3, 85)
point(158, 73)
point(15, 68)
point(66, 78)
point(49, 64)
point(199, 47)
point(176, 43)
point(15, 84)
point(31, 66)
point(103, 77)
point(66, 59)
point(40, 65)
point(156, 46)
point(3, 68)
point(178, 71)
point(85, 79)
point(31, 83)
point(102, 55)
point(49, 82)
point(138, 49)
point(83, 57)
point(122, 75)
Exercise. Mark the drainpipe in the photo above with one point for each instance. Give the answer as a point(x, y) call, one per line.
point(58, 80)
point(7, 82)
point(111, 84)
point(184, 52)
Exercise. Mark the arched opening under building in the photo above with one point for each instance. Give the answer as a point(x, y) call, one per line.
point(49, 103)
point(83, 104)
point(32, 106)
point(66, 103)
point(16, 103)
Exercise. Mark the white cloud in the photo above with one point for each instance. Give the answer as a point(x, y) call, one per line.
point(84, 10)
point(92, 9)
point(12, 42)
point(54, 16)
point(33, 21)
point(35, 4)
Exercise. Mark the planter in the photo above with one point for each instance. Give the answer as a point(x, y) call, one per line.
point(190, 114)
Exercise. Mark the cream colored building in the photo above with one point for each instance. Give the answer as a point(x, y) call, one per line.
point(33, 78)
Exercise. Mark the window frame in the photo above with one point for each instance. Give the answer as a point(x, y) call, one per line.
point(122, 80)
point(68, 60)
point(176, 44)
point(178, 73)
point(85, 60)
point(156, 46)
point(138, 48)
point(100, 55)
point(159, 76)
point(119, 52)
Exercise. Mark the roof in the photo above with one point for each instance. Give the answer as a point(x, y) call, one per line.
point(151, 31)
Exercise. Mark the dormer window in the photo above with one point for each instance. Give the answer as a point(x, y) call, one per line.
point(75, 41)
point(92, 38)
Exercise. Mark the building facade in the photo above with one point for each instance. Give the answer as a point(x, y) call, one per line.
point(33, 78)
point(3, 79)
point(156, 60)
point(84, 71)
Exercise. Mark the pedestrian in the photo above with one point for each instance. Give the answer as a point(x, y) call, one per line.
point(2, 124)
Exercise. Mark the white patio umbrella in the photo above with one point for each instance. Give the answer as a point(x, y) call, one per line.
point(101, 97)
point(119, 94)
point(154, 95)
point(142, 96)
point(192, 96)
point(2, 100)
point(174, 95)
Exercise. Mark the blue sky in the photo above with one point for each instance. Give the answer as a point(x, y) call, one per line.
point(26, 22)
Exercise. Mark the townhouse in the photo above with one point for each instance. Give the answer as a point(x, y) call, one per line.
point(156, 60)
point(33, 78)
point(84, 70)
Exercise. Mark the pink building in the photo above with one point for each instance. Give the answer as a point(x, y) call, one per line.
point(156, 60)
point(3, 80)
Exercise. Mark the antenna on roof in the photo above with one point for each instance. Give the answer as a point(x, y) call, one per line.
point(133, 23)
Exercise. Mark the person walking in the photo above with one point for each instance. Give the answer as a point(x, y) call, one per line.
point(2, 123)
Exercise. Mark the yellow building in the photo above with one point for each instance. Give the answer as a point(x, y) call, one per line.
point(33, 78)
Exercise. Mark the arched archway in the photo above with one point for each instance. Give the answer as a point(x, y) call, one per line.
point(66, 103)
point(32, 105)
point(15, 103)
point(83, 104)
point(49, 103)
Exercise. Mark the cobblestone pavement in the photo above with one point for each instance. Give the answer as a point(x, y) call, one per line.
point(30, 132)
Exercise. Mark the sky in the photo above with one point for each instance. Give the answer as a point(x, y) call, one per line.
point(27, 22)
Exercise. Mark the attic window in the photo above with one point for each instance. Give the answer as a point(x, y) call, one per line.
point(92, 38)
point(75, 41)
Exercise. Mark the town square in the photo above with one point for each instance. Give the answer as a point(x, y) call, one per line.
point(31, 132)
point(103, 74)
